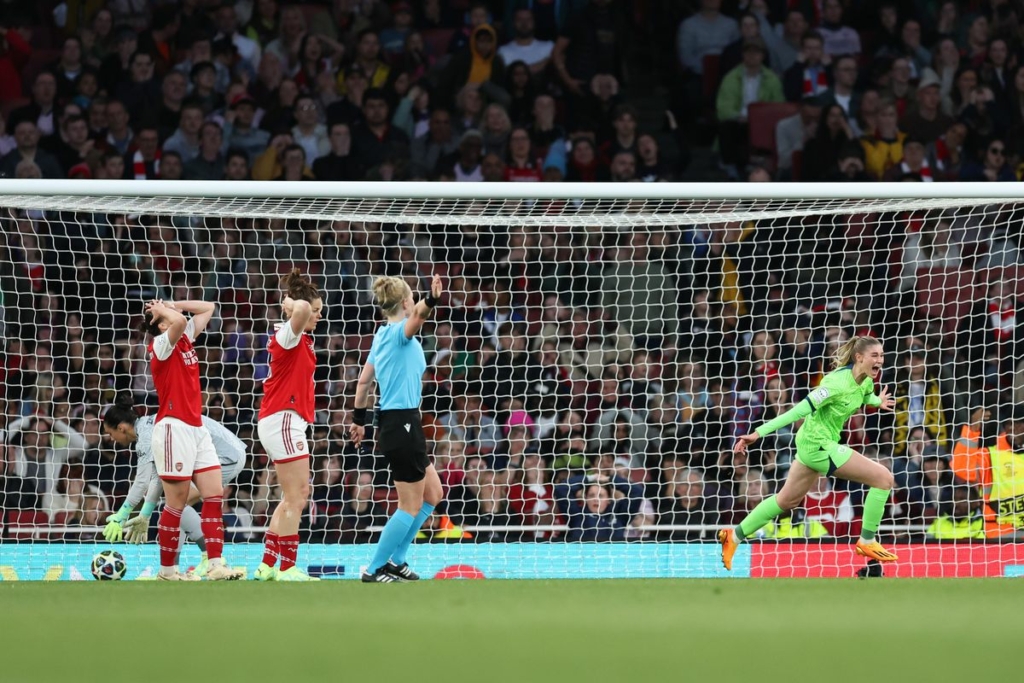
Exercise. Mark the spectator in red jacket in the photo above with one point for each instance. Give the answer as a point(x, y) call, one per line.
point(14, 54)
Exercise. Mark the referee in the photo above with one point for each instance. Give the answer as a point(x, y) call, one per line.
point(397, 362)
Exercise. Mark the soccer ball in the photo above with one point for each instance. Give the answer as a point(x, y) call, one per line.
point(108, 566)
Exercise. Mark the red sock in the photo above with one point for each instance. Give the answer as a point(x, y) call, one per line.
point(289, 548)
point(213, 526)
point(168, 531)
point(270, 549)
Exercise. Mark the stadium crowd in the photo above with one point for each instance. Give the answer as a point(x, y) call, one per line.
point(587, 377)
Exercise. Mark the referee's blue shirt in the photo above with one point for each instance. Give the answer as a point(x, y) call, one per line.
point(399, 364)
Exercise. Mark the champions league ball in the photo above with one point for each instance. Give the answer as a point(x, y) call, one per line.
point(109, 565)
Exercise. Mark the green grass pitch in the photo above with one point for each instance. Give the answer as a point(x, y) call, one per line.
point(639, 630)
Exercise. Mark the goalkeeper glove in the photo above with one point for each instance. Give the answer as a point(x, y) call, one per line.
point(136, 530)
point(114, 530)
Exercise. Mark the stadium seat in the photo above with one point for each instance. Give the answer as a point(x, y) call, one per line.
point(22, 524)
point(946, 295)
point(763, 117)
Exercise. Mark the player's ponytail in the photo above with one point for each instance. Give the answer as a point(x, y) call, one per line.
point(846, 353)
point(122, 411)
point(390, 292)
point(298, 287)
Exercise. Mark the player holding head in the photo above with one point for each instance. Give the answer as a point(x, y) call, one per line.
point(397, 363)
point(287, 409)
point(182, 448)
point(818, 451)
point(122, 424)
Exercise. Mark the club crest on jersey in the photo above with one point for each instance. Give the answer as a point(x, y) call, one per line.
point(300, 445)
point(177, 466)
point(819, 394)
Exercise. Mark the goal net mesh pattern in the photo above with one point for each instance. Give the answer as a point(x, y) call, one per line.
point(588, 372)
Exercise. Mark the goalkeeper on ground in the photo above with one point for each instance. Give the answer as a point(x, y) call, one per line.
point(818, 452)
point(122, 424)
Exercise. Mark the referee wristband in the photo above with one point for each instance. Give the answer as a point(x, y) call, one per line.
point(359, 417)
point(430, 301)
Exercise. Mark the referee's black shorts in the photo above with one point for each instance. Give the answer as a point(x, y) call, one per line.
point(401, 440)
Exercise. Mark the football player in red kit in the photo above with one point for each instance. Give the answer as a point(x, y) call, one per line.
point(287, 409)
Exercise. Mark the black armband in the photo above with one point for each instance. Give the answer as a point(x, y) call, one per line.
point(430, 301)
point(359, 417)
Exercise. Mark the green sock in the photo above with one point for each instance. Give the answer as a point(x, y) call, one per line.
point(767, 510)
point(874, 508)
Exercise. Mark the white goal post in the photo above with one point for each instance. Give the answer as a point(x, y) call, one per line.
point(598, 350)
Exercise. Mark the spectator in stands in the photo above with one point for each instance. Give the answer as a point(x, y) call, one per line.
point(496, 128)
point(141, 91)
point(339, 164)
point(794, 132)
point(927, 122)
point(68, 67)
point(584, 165)
point(838, 39)
point(173, 90)
point(524, 46)
point(746, 84)
point(991, 167)
point(41, 446)
point(75, 143)
point(26, 137)
point(884, 148)
point(285, 46)
point(14, 54)
point(171, 165)
point(933, 246)
point(209, 163)
point(467, 165)
point(119, 134)
point(784, 41)
point(751, 488)
point(239, 129)
point(924, 474)
point(900, 89)
point(201, 51)
point(919, 402)
point(204, 92)
point(684, 503)
point(626, 292)
point(478, 64)
point(522, 164)
point(377, 140)
point(361, 511)
point(185, 140)
point(293, 164)
point(946, 154)
point(367, 58)
point(439, 142)
point(843, 91)
point(622, 168)
point(226, 21)
point(992, 335)
point(913, 165)
point(308, 132)
point(821, 153)
point(592, 505)
point(962, 520)
point(732, 54)
point(236, 166)
point(593, 42)
point(707, 32)
point(809, 75)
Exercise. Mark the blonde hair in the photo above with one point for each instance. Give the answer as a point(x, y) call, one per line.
point(390, 292)
point(848, 351)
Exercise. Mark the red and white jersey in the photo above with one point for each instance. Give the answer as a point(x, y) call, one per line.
point(290, 385)
point(834, 510)
point(176, 377)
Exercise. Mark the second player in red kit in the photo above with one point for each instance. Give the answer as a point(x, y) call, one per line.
point(287, 409)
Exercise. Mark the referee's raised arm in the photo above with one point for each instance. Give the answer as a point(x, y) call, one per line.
point(422, 310)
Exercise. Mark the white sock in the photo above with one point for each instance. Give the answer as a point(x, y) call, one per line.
point(168, 571)
point(216, 562)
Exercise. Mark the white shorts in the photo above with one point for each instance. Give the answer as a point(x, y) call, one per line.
point(228, 473)
point(181, 450)
point(283, 436)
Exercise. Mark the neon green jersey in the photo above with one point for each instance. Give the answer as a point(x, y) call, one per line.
point(827, 408)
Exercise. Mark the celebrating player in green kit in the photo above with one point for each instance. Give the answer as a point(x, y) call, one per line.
point(818, 452)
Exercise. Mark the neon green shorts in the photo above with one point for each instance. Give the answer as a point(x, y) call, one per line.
point(824, 458)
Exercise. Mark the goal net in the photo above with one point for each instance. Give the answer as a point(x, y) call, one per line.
point(597, 352)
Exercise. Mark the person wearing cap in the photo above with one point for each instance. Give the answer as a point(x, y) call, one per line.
point(927, 121)
point(478, 64)
point(748, 83)
point(997, 467)
point(239, 129)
